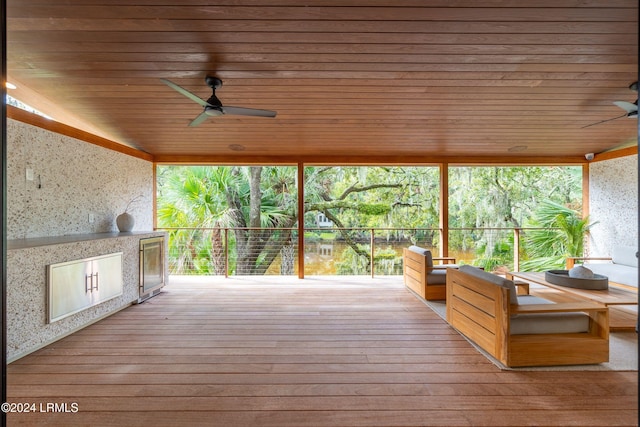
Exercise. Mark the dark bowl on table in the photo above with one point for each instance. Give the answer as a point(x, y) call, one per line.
point(562, 278)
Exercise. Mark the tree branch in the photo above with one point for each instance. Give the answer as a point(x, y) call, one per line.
point(354, 189)
point(345, 235)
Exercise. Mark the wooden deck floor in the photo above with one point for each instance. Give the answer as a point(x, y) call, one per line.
point(285, 352)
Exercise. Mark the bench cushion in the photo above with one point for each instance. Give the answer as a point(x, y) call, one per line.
point(546, 323)
point(617, 273)
point(549, 323)
point(425, 252)
point(437, 277)
point(625, 255)
point(494, 279)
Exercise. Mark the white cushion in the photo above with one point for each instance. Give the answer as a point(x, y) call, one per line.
point(625, 255)
point(617, 273)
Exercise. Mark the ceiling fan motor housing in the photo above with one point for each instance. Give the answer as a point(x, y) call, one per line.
point(213, 111)
point(213, 82)
point(215, 105)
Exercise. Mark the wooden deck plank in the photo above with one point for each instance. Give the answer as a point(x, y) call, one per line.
point(366, 418)
point(562, 388)
point(306, 359)
point(277, 353)
point(347, 403)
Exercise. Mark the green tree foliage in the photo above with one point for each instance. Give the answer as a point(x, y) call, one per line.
point(374, 196)
point(260, 204)
point(560, 234)
point(192, 199)
point(371, 197)
point(495, 198)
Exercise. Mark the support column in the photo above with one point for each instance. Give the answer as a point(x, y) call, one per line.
point(301, 183)
point(585, 190)
point(444, 210)
point(585, 205)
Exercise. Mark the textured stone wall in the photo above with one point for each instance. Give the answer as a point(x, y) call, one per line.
point(77, 190)
point(613, 201)
point(72, 179)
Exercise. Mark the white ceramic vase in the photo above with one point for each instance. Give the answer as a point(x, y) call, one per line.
point(125, 222)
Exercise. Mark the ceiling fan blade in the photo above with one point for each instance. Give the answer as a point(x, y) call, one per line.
point(201, 118)
point(185, 92)
point(241, 111)
point(603, 121)
point(629, 107)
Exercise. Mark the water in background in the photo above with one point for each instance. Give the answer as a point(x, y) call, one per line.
point(323, 258)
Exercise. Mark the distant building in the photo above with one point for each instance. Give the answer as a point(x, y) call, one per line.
point(325, 250)
point(323, 221)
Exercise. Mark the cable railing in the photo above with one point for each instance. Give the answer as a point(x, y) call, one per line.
point(228, 251)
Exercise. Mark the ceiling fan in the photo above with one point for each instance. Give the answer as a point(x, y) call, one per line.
point(213, 106)
point(630, 108)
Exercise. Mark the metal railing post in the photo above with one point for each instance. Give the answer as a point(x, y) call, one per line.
point(516, 249)
point(226, 253)
point(372, 251)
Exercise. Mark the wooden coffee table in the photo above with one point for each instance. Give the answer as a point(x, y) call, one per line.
point(615, 298)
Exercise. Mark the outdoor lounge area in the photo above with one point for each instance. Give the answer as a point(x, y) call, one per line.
point(320, 213)
point(276, 351)
point(525, 330)
point(521, 319)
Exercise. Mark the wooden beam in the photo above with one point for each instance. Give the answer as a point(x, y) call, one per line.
point(616, 154)
point(368, 160)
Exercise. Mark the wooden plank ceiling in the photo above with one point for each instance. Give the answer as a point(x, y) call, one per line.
point(352, 81)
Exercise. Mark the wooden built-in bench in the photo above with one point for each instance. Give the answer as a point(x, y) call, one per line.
point(525, 330)
point(422, 276)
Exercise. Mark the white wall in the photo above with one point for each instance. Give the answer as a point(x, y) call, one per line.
point(613, 201)
point(76, 179)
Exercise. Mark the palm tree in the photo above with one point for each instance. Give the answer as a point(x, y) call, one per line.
point(264, 210)
point(255, 201)
point(560, 233)
point(190, 198)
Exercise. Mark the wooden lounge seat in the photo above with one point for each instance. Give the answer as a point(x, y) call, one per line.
point(525, 330)
point(422, 276)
